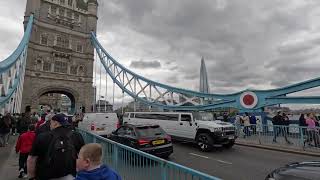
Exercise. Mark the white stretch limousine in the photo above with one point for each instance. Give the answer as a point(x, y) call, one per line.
point(199, 127)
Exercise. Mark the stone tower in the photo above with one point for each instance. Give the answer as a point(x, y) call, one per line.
point(60, 55)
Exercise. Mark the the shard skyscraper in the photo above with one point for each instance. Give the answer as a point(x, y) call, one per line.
point(204, 86)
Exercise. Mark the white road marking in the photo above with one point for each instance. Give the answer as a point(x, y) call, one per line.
point(199, 155)
point(225, 162)
point(206, 157)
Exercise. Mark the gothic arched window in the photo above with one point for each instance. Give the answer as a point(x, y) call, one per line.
point(82, 70)
point(70, 2)
point(60, 67)
point(62, 41)
point(61, 11)
point(44, 39)
point(46, 66)
point(53, 9)
point(73, 70)
point(62, 2)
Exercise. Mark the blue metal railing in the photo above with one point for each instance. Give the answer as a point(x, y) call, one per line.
point(293, 136)
point(133, 164)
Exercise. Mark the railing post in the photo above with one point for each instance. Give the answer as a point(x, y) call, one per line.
point(164, 171)
point(259, 132)
point(301, 137)
point(115, 156)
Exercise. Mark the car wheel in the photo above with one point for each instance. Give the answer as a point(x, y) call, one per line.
point(229, 145)
point(204, 142)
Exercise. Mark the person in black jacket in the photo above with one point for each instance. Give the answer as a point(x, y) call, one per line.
point(278, 127)
point(46, 160)
point(303, 124)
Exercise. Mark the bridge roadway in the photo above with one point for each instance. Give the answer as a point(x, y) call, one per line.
point(239, 162)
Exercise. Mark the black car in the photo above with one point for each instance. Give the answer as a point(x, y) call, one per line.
point(297, 171)
point(151, 139)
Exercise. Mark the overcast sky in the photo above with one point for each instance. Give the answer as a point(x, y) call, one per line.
point(246, 44)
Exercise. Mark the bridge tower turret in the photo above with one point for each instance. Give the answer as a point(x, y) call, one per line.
point(92, 15)
point(60, 54)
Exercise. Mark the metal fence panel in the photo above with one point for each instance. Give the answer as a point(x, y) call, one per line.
point(133, 164)
point(292, 137)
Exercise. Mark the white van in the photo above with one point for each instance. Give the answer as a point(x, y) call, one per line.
point(99, 123)
point(199, 127)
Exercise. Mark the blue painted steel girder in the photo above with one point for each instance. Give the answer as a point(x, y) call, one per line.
point(261, 98)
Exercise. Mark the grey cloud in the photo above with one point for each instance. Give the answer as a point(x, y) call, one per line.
point(172, 80)
point(243, 42)
point(145, 64)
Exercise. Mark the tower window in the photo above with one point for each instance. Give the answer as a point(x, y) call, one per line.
point(79, 48)
point(61, 11)
point(76, 17)
point(44, 39)
point(62, 2)
point(69, 14)
point(60, 67)
point(46, 66)
point(62, 42)
point(70, 2)
point(53, 9)
point(73, 70)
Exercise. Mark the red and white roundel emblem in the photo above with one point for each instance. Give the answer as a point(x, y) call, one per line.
point(248, 99)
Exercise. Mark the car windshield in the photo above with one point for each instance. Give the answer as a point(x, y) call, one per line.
point(150, 131)
point(203, 116)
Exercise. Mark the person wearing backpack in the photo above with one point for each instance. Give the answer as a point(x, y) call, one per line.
point(54, 153)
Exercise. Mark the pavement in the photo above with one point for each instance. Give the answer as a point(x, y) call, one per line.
point(9, 161)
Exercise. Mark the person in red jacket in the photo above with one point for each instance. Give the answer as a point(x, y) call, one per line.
point(24, 146)
point(41, 121)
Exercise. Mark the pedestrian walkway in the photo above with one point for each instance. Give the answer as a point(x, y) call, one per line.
point(9, 166)
point(281, 144)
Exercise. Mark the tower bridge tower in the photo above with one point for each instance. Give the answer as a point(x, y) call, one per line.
point(60, 55)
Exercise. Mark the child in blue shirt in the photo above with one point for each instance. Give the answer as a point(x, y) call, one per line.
point(89, 166)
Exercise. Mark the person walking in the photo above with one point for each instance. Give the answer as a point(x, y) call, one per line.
point(5, 126)
point(237, 123)
point(278, 128)
point(54, 153)
point(286, 122)
point(41, 121)
point(253, 123)
point(302, 124)
point(312, 132)
point(246, 123)
point(23, 147)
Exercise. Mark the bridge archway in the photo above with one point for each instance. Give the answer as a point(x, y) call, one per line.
point(77, 102)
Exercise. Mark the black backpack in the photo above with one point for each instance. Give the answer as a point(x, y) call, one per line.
point(61, 156)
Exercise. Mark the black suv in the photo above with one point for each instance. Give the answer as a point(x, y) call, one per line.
point(151, 139)
point(297, 171)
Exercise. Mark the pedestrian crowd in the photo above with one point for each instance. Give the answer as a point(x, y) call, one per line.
point(309, 128)
point(50, 149)
point(248, 124)
point(309, 124)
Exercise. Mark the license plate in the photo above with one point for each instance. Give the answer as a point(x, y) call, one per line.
point(231, 137)
point(100, 129)
point(157, 142)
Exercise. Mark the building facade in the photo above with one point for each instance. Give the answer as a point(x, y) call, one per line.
point(60, 55)
point(103, 106)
